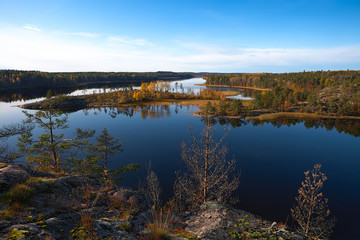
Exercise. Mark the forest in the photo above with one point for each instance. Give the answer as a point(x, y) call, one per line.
point(14, 79)
point(328, 92)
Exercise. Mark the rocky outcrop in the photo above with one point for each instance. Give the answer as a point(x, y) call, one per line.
point(59, 205)
point(213, 221)
point(10, 175)
point(112, 229)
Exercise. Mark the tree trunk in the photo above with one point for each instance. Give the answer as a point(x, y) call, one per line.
point(53, 150)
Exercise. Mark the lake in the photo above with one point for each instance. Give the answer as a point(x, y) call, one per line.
point(272, 156)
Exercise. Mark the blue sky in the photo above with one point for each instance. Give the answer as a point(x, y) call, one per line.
point(197, 35)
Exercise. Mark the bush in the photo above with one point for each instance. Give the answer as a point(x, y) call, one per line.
point(161, 221)
point(85, 229)
point(19, 194)
point(247, 228)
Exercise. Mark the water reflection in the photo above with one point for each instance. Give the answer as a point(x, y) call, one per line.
point(347, 126)
point(233, 122)
point(146, 111)
point(245, 93)
point(27, 94)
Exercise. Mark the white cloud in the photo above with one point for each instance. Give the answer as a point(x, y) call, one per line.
point(32, 27)
point(22, 49)
point(128, 41)
point(78, 34)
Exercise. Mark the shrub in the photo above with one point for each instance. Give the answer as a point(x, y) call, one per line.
point(85, 229)
point(161, 221)
point(248, 229)
point(7, 214)
point(19, 194)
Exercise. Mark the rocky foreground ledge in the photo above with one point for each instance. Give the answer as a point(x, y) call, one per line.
point(75, 207)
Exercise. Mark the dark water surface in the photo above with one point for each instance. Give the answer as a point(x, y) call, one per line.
point(272, 156)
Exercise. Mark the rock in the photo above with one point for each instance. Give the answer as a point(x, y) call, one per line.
point(31, 229)
point(11, 175)
point(4, 224)
point(139, 221)
point(213, 221)
point(59, 227)
point(108, 228)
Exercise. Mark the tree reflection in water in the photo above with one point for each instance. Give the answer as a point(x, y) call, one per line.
point(154, 111)
point(347, 126)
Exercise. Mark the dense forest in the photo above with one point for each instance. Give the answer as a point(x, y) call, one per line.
point(331, 92)
point(305, 80)
point(14, 79)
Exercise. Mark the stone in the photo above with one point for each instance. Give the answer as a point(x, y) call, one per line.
point(213, 221)
point(108, 228)
point(31, 228)
point(11, 175)
point(60, 226)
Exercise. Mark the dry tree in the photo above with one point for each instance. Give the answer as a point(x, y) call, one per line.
point(209, 176)
point(311, 212)
point(152, 188)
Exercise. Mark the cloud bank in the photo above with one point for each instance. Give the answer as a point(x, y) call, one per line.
point(30, 48)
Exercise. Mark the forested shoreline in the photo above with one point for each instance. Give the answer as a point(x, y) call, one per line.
point(324, 92)
point(15, 79)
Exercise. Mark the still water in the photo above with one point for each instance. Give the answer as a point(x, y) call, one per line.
point(272, 156)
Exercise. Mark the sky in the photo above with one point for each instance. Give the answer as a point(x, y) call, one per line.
point(184, 35)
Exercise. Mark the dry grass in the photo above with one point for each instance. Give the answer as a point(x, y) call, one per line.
point(246, 103)
point(230, 93)
point(20, 194)
point(161, 222)
point(85, 229)
point(254, 88)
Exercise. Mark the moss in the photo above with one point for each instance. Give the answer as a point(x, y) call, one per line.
point(17, 234)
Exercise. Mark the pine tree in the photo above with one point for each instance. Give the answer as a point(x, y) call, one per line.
point(45, 152)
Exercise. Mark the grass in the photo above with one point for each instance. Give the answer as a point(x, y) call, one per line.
point(161, 221)
point(20, 194)
point(230, 93)
point(85, 229)
point(158, 233)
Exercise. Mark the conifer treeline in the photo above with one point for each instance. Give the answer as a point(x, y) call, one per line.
point(14, 79)
point(306, 80)
point(331, 92)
